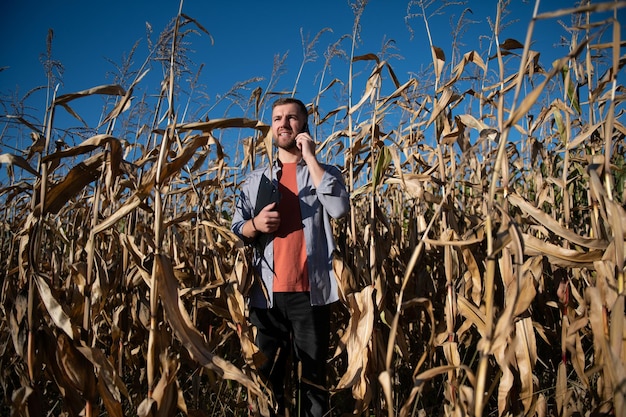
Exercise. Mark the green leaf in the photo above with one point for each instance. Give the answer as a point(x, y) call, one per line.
point(384, 159)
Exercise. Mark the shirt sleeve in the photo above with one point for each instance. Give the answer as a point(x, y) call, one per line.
point(332, 193)
point(243, 210)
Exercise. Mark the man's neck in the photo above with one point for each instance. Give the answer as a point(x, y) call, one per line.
point(287, 157)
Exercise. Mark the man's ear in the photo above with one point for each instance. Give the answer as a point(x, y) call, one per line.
point(305, 129)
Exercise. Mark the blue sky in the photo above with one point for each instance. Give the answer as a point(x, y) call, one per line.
point(247, 34)
point(89, 35)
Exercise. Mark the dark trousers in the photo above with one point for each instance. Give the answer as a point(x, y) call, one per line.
point(292, 321)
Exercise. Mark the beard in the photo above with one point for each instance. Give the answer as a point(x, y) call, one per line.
point(288, 146)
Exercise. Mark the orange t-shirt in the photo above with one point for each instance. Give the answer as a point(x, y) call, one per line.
point(290, 266)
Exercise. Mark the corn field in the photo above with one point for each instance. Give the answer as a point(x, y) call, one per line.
point(481, 268)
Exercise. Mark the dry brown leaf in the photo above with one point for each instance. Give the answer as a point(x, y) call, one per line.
point(372, 85)
point(74, 182)
point(590, 7)
point(24, 402)
point(504, 387)
point(541, 408)
point(611, 364)
point(385, 381)
point(561, 387)
point(237, 309)
point(224, 123)
point(57, 355)
point(549, 222)
point(474, 283)
point(359, 333)
point(451, 353)
point(606, 281)
point(11, 160)
point(346, 282)
point(526, 292)
point(125, 102)
point(115, 90)
point(618, 353)
point(441, 102)
point(110, 385)
point(189, 336)
point(473, 314)
point(468, 57)
point(559, 256)
point(525, 347)
point(530, 99)
point(422, 378)
point(167, 393)
point(54, 308)
point(617, 214)
point(573, 344)
point(439, 60)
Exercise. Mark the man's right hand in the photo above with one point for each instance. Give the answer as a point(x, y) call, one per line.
point(268, 219)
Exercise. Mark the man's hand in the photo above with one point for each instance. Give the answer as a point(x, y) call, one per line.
point(305, 143)
point(268, 219)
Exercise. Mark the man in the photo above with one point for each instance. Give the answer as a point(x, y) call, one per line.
point(285, 211)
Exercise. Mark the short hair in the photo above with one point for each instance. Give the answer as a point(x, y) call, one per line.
point(290, 100)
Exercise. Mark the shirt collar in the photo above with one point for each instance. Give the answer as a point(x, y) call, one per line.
point(277, 164)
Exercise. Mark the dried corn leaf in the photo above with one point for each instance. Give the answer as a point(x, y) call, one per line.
point(612, 367)
point(385, 382)
point(549, 222)
point(125, 103)
point(525, 347)
point(526, 292)
point(561, 387)
point(114, 90)
point(189, 336)
point(373, 83)
point(74, 182)
point(473, 314)
point(224, 123)
point(69, 369)
point(167, 395)
point(422, 378)
point(54, 308)
point(401, 90)
point(237, 309)
point(103, 89)
point(559, 256)
point(606, 281)
point(441, 102)
point(346, 282)
point(573, 344)
point(585, 7)
point(505, 384)
point(126, 208)
point(618, 353)
point(439, 60)
point(11, 160)
point(359, 333)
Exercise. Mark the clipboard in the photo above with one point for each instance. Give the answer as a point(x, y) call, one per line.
point(268, 193)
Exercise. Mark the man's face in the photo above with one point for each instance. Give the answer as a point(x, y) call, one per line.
point(287, 123)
